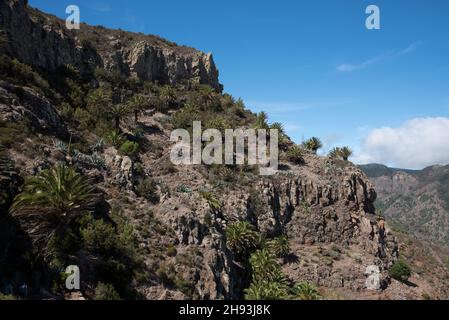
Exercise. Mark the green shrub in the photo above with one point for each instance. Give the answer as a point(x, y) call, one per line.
point(306, 291)
point(295, 154)
point(106, 292)
point(84, 118)
point(147, 189)
point(5, 297)
point(99, 237)
point(129, 148)
point(400, 271)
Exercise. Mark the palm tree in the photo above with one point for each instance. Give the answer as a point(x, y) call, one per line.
point(137, 103)
point(241, 238)
point(313, 144)
point(279, 246)
point(51, 199)
point(266, 290)
point(98, 102)
point(306, 291)
point(345, 153)
point(261, 121)
point(119, 111)
point(265, 267)
point(209, 96)
point(335, 153)
point(168, 95)
point(279, 127)
point(340, 153)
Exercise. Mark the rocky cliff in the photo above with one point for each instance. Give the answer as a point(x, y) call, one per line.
point(43, 41)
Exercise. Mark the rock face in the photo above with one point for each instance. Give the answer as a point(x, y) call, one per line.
point(323, 216)
point(43, 41)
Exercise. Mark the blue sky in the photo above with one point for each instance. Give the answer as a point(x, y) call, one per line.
point(313, 65)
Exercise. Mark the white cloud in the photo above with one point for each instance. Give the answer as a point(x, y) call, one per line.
point(415, 144)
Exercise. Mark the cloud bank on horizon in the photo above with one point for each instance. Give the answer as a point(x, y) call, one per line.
point(416, 144)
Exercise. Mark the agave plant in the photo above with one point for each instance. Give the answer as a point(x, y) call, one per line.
point(52, 199)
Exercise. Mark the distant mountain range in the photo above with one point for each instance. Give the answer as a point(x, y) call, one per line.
point(414, 201)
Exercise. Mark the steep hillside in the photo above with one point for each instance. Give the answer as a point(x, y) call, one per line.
point(415, 202)
point(86, 179)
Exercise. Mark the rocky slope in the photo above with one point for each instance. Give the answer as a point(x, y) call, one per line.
point(171, 219)
point(43, 41)
point(414, 201)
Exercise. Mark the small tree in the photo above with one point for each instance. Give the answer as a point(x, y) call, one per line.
point(261, 121)
point(313, 144)
point(119, 111)
point(137, 103)
point(340, 153)
point(400, 271)
point(346, 153)
point(106, 292)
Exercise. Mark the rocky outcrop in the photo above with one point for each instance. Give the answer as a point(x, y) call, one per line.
point(25, 105)
point(43, 41)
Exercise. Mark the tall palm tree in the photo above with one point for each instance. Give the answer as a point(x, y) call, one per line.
point(51, 199)
point(137, 103)
point(119, 111)
point(313, 144)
